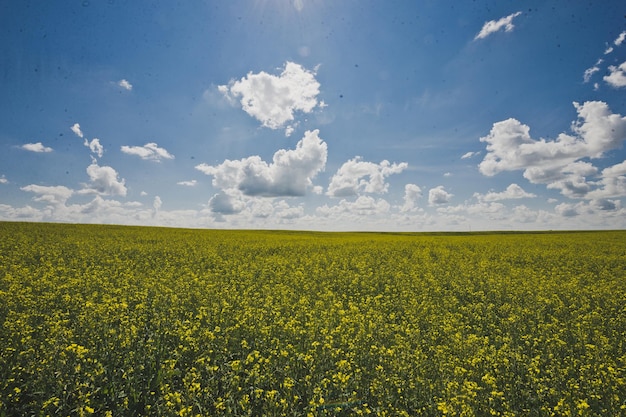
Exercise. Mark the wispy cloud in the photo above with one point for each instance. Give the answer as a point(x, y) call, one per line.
point(592, 70)
point(36, 147)
point(149, 152)
point(470, 154)
point(494, 26)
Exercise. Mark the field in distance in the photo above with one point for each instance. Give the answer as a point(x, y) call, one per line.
point(111, 321)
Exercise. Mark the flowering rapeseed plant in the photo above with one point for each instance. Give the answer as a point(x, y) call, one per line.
point(109, 320)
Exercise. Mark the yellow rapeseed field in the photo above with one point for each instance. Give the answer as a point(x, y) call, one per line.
point(115, 321)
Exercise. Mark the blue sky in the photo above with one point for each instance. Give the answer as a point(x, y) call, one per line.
point(315, 114)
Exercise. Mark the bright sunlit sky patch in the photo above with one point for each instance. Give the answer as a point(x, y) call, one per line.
point(315, 114)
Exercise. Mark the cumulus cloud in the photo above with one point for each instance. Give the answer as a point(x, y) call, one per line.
point(125, 85)
point(615, 170)
point(362, 206)
point(76, 129)
point(622, 36)
point(55, 195)
point(226, 202)
point(567, 210)
point(3, 180)
point(191, 183)
point(283, 210)
point(272, 99)
point(510, 146)
point(350, 178)
point(157, 203)
point(604, 204)
point(513, 191)
point(571, 180)
point(612, 183)
point(95, 146)
point(559, 163)
point(104, 180)
point(289, 173)
point(438, 195)
point(494, 26)
point(36, 147)
point(617, 76)
point(412, 193)
point(149, 152)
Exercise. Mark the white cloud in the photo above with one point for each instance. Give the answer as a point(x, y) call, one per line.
point(510, 147)
point(470, 154)
point(157, 203)
point(125, 85)
point(191, 183)
point(617, 77)
point(615, 170)
point(438, 195)
point(95, 146)
point(226, 202)
point(284, 211)
point(412, 193)
point(494, 26)
point(55, 195)
point(149, 152)
point(349, 179)
point(104, 180)
point(567, 209)
point(608, 50)
point(622, 36)
point(571, 180)
point(3, 180)
point(36, 147)
point(513, 191)
point(289, 173)
point(592, 70)
point(76, 129)
point(490, 210)
point(362, 206)
point(272, 99)
point(612, 183)
point(605, 204)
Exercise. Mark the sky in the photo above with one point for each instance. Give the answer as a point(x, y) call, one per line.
point(404, 115)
